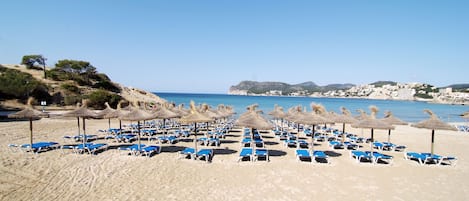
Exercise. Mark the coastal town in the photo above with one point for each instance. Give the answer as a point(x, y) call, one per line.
point(392, 91)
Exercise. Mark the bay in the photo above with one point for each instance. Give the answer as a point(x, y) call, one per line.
point(410, 111)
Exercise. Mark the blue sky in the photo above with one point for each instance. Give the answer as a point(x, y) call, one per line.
point(207, 46)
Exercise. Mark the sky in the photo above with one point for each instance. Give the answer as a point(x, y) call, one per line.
point(205, 46)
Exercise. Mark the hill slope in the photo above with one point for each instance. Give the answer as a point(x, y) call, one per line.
point(60, 93)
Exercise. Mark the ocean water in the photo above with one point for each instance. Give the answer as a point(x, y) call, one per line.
point(410, 111)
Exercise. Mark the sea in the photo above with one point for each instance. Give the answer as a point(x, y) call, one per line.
point(409, 111)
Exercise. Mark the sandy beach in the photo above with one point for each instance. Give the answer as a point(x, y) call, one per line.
point(62, 175)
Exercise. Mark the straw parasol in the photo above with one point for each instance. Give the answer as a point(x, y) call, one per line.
point(137, 114)
point(252, 119)
point(278, 113)
point(106, 111)
point(311, 118)
point(391, 119)
point(344, 118)
point(84, 113)
point(30, 113)
point(164, 113)
point(117, 113)
point(195, 117)
point(293, 114)
point(433, 123)
point(362, 115)
point(372, 123)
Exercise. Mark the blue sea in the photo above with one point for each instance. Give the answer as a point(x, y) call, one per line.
point(410, 111)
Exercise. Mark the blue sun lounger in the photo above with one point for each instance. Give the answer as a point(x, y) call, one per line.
point(425, 158)
point(320, 155)
point(262, 153)
point(206, 154)
point(40, 146)
point(188, 151)
point(246, 152)
point(149, 150)
point(336, 145)
point(303, 154)
point(360, 155)
point(376, 157)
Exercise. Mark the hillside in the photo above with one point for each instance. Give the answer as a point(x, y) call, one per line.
point(18, 82)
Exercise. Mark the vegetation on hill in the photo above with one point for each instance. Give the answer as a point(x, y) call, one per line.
point(254, 87)
point(460, 87)
point(382, 83)
point(18, 85)
point(67, 83)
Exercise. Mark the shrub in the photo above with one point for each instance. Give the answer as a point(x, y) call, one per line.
point(99, 97)
point(71, 88)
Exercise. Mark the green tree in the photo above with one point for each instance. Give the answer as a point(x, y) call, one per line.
point(99, 97)
point(31, 60)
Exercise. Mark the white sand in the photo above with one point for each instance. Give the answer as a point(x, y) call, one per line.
point(55, 175)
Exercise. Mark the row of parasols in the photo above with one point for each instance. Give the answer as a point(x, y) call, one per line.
point(320, 116)
point(201, 114)
point(252, 118)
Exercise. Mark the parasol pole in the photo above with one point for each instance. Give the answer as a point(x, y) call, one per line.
point(31, 133)
point(433, 140)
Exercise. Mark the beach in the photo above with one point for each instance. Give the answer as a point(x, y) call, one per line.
point(110, 175)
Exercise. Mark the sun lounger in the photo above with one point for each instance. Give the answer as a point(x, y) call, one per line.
point(350, 146)
point(376, 157)
point(149, 150)
point(303, 154)
point(438, 159)
point(126, 138)
point(336, 145)
point(79, 138)
point(40, 146)
point(262, 153)
point(131, 149)
point(319, 155)
point(206, 154)
point(93, 148)
point(422, 159)
point(360, 156)
point(170, 139)
point(186, 152)
point(244, 153)
point(247, 141)
point(393, 147)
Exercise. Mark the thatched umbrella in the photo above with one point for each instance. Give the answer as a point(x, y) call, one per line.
point(195, 117)
point(137, 114)
point(107, 110)
point(117, 113)
point(84, 113)
point(313, 119)
point(164, 113)
point(293, 113)
point(30, 113)
point(344, 118)
point(391, 119)
point(372, 123)
point(434, 123)
point(362, 115)
point(278, 113)
point(252, 119)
